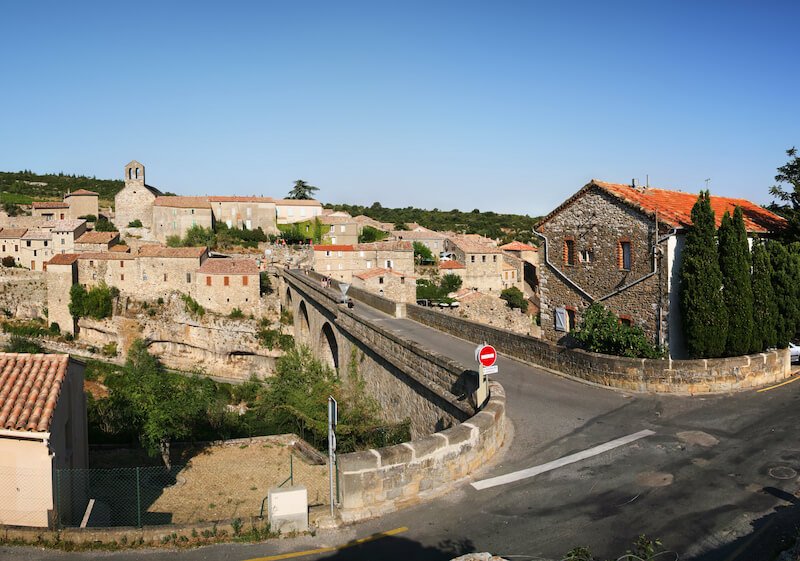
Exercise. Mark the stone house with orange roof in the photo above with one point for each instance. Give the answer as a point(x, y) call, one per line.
point(50, 210)
point(224, 284)
point(96, 242)
point(289, 211)
point(135, 200)
point(82, 203)
point(339, 230)
point(173, 216)
point(486, 267)
point(342, 261)
point(397, 286)
point(42, 429)
point(621, 245)
point(248, 213)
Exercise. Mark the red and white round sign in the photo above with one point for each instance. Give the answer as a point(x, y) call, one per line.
point(487, 356)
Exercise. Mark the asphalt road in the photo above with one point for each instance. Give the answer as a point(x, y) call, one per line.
point(716, 481)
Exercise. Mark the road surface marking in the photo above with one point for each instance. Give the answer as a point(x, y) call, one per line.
point(352, 543)
point(779, 385)
point(566, 460)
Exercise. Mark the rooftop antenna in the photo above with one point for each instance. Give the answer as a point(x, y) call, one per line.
point(647, 181)
point(708, 180)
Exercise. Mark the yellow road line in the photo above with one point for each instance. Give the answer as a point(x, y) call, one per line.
point(779, 385)
point(352, 543)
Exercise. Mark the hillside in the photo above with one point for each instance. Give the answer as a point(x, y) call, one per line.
point(506, 227)
point(22, 187)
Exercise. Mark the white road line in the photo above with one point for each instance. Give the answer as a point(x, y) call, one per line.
point(566, 460)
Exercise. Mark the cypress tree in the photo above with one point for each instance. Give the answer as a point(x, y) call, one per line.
point(705, 317)
point(737, 290)
point(765, 309)
point(785, 289)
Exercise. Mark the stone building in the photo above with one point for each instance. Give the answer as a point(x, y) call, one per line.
point(248, 213)
point(483, 263)
point(43, 422)
point(173, 216)
point(36, 249)
point(11, 243)
point(621, 245)
point(82, 203)
point(61, 275)
point(225, 284)
point(429, 238)
point(339, 230)
point(50, 210)
point(388, 283)
point(290, 211)
point(96, 242)
point(342, 261)
point(135, 200)
point(64, 234)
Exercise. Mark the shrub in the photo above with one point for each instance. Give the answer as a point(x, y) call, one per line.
point(88, 217)
point(135, 223)
point(103, 225)
point(370, 234)
point(236, 313)
point(265, 284)
point(515, 298)
point(602, 332)
point(18, 344)
point(8, 261)
point(193, 306)
point(55, 328)
point(287, 318)
point(69, 337)
point(160, 300)
point(97, 303)
point(110, 349)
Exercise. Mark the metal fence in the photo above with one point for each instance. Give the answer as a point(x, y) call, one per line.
point(112, 497)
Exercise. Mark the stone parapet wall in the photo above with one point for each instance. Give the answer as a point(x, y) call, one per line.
point(381, 480)
point(23, 292)
point(642, 375)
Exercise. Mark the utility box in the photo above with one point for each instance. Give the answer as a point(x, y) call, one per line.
point(288, 509)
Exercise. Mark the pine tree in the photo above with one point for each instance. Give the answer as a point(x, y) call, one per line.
point(784, 284)
point(737, 290)
point(705, 317)
point(765, 309)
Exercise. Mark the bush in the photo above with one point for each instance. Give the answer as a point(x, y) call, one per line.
point(8, 261)
point(55, 329)
point(515, 298)
point(236, 313)
point(18, 344)
point(110, 349)
point(135, 223)
point(25, 329)
point(265, 284)
point(97, 303)
point(369, 234)
point(193, 306)
point(602, 332)
point(88, 217)
point(103, 225)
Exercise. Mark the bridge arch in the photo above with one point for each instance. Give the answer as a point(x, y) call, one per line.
point(328, 346)
point(288, 298)
point(303, 323)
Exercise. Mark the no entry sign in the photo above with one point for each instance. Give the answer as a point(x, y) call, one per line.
point(487, 355)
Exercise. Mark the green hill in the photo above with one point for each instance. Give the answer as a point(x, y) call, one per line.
point(22, 187)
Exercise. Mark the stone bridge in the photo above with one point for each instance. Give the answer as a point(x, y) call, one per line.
point(450, 437)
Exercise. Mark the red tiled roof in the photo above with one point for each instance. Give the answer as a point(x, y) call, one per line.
point(370, 273)
point(82, 192)
point(106, 256)
point(29, 389)
point(334, 248)
point(518, 246)
point(97, 237)
point(182, 202)
point(49, 204)
point(63, 259)
point(161, 251)
point(223, 266)
point(674, 208)
point(235, 199)
point(416, 235)
point(386, 246)
point(298, 202)
point(120, 248)
point(469, 244)
point(451, 265)
point(68, 225)
point(7, 233)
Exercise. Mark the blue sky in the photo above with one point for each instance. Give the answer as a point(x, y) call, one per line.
point(505, 106)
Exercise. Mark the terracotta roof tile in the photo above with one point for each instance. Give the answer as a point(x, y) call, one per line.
point(120, 248)
point(63, 259)
point(518, 246)
point(182, 202)
point(329, 247)
point(223, 266)
point(451, 265)
point(29, 389)
point(297, 202)
point(49, 204)
point(417, 235)
point(371, 273)
point(37, 235)
point(69, 225)
point(161, 251)
point(106, 256)
point(82, 192)
point(8, 233)
point(470, 245)
point(386, 246)
point(97, 237)
point(235, 199)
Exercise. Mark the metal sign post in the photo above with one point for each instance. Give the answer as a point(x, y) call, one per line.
point(486, 355)
point(333, 419)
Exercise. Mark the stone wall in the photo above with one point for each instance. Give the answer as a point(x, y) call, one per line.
point(23, 292)
point(174, 221)
point(134, 202)
point(374, 482)
point(643, 375)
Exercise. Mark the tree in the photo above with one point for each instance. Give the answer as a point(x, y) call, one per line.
point(302, 190)
point(705, 317)
point(514, 298)
point(765, 309)
point(737, 289)
point(784, 285)
point(422, 253)
point(103, 225)
point(369, 234)
point(790, 196)
point(450, 283)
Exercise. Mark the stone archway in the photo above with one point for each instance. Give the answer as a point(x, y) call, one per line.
point(328, 346)
point(303, 324)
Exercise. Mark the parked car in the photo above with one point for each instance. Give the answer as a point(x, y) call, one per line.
point(446, 256)
point(794, 352)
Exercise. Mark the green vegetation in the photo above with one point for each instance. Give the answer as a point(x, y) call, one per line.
point(422, 254)
point(88, 217)
point(734, 264)
point(223, 238)
point(97, 302)
point(705, 317)
point(15, 199)
point(301, 232)
point(602, 332)
point(302, 190)
point(104, 225)
point(236, 313)
point(18, 344)
point(57, 185)
point(437, 289)
point(193, 306)
point(135, 223)
point(515, 298)
point(30, 328)
point(765, 308)
point(196, 236)
point(506, 227)
point(785, 278)
point(789, 196)
point(265, 284)
point(369, 235)
point(8, 261)
point(273, 338)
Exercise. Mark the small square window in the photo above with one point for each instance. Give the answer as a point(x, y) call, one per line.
point(245, 280)
point(226, 281)
point(208, 281)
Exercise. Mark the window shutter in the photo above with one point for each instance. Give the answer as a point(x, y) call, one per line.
point(561, 319)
